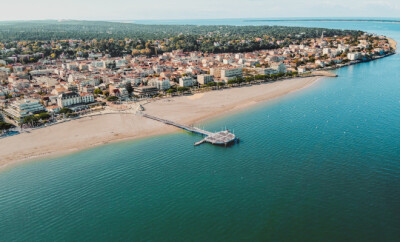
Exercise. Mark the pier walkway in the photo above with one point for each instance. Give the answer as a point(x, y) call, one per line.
point(218, 138)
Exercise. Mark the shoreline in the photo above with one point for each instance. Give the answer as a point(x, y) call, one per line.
point(80, 138)
point(90, 132)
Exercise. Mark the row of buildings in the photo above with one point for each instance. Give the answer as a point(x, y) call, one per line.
point(49, 85)
point(21, 108)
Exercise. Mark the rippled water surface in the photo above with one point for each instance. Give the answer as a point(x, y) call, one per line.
point(322, 164)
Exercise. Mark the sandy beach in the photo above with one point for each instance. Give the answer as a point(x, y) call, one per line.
point(88, 132)
point(392, 43)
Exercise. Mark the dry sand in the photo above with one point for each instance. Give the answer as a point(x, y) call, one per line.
point(92, 131)
point(392, 43)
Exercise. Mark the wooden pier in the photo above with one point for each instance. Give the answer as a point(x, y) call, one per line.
point(218, 138)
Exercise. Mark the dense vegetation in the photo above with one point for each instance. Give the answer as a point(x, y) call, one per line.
point(117, 39)
point(59, 30)
point(5, 126)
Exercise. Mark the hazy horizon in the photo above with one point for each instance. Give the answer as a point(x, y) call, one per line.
point(119, 10)
point(283, 18)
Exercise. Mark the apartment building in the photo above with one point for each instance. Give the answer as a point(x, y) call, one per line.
point(186, 82)
point(20, 109)
point(204, 79)
point(161, 83)
point(69, 99)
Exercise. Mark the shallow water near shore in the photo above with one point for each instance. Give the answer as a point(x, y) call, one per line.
point(319, 164)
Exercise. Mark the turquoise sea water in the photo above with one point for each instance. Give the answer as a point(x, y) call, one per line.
point(321, 164)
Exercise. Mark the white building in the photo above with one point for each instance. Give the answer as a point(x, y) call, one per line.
point(279, 67)
point(379, 51)
point(42, 72)
point(76, 77)
point(72, 98)
point(342, 47)
point(231, 73)
point(95, 55)
point(5, 70)
point(3, 75)
point(239, 56)
point(87, 97)
point(186, 82)
point(226, 74)
point(265, 71)
point(320, 63)
point(97, 64)
point(302, 69)
point(48, 81)
point(121, 63)
point(204, 79)
point(68, 99)
point(161, 84)
point(134, 80)
point(18, 68)
point(23, 108)
point(354, 56)
point(73, 66)
point(326, 51)
point(228, 61)
point(83, 67)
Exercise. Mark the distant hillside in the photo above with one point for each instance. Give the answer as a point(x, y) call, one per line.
point(71, 29)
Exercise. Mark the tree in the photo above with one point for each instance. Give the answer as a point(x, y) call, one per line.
point(66, 110)
point(170, 91)
point(183, 89)
point(111, 65)
point(112, 98)
point(31, 120)
point(249, 79)
point(44, 116)
point(129, 89)
point(233, 81)
point(6, 126)
point(135, 52)
point(211, 84)
point(98, 91)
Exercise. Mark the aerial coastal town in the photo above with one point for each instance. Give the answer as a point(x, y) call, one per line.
point(37, 91)
point(210, 120)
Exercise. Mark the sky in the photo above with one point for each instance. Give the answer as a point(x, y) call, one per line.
point(194, 9)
